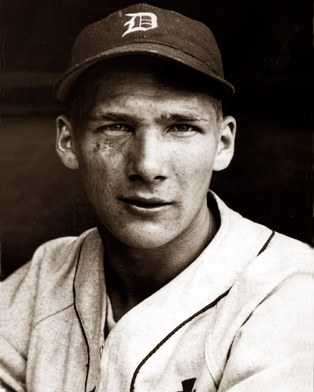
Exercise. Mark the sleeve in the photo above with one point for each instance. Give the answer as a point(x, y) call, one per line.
point(26, 296)
point(274, 349)
point(12, 368)
point(16, 298)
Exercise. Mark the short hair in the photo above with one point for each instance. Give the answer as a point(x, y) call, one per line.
point(179, 77)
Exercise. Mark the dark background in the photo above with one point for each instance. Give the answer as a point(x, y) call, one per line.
point(267, 48)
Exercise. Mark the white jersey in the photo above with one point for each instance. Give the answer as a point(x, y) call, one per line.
point(239, 318)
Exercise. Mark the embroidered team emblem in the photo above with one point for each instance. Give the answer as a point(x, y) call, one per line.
point(140, 21)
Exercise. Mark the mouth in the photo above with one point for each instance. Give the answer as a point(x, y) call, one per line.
point(146, 204)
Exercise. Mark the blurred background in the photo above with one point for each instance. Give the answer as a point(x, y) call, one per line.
point(267, 50)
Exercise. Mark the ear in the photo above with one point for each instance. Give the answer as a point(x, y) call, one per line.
point(226, 140)
point(65, 145)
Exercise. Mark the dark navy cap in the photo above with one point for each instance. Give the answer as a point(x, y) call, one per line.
point(144, 29)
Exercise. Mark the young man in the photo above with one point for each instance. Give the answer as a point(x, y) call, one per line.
point(173, 291)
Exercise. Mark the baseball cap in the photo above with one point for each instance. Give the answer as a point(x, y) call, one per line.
point(145, 29)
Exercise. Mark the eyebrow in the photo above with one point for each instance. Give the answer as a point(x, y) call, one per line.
point(166, 117)
point(180, 117)
point(111, 116)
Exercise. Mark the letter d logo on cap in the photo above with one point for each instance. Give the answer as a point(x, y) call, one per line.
point(141, 21)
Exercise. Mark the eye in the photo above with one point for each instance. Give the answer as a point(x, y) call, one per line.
point(183, 129)
point(115, 129)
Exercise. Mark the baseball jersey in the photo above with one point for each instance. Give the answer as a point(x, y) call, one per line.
point(239, 318)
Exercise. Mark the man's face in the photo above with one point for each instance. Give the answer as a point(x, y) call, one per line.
point(146, 153)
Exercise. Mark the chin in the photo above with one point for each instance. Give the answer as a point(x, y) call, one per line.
point(145, 238)
point(145, 242)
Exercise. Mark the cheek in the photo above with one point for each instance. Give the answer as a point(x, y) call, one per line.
point(98, 154)
point(100, 165)
point(195, 167)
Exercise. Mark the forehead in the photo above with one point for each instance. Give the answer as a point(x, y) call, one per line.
point(136, 89)
point(139, 76)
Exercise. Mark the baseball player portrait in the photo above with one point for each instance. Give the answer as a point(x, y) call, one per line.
point(172, 290)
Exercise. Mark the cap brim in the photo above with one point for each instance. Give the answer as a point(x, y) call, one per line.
point(67, 80)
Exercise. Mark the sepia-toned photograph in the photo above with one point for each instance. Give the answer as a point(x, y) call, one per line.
point(157, 196)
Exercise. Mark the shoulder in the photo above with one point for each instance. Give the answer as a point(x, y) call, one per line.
point(281, 258)
point(41, 288)
point(277, 251)
point(50, 272)
point(52, 256)
point(282, 261)
point(268, 314)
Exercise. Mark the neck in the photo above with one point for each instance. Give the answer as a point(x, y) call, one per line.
point(134, 274)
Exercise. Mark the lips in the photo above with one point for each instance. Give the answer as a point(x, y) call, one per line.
point(143, 202)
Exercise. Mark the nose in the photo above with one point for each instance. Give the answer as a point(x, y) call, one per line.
point(146, 157)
